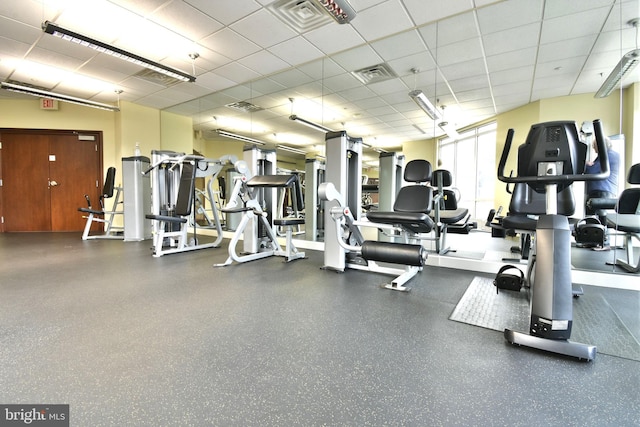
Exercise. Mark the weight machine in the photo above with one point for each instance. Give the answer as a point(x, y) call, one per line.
point(256, 225)
point(314, 211)
point(550, 160)
point(174, 204)
point(106, 217)
point(345, 246)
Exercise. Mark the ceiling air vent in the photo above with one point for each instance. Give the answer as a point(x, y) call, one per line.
point(375, 74)
point(301, 15)
point(156, 77)
point(244, 106)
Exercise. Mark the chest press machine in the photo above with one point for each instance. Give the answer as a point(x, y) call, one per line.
point(245, 199)
point(174, 203)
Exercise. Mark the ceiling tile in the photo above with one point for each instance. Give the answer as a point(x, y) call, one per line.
point(253, 27)
point(263, 63)
point(296, 51)
point(509, 14)
point(230, 44)
point(382, 20)
point(424, 11)
point(186, 20)
point(399, 45)
point(222, 12)
point(357, 58)
point(512, 39)
point(334, 38)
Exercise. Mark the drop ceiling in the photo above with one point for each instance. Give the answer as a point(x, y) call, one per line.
point(474, 58)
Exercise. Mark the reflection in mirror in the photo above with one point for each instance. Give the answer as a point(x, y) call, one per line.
point(483, 67)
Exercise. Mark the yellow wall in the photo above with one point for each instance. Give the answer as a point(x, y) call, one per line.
point(136, 124)
point(423, 149)
point(26, 114)
point(149, 127)
point(176, 133)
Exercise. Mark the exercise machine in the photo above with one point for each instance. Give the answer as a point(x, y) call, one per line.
point(446, 213)
point(391, 167)
point(246, 199)
point(549, 161)
point(314, 208)
point(102, 216)
point(345, 245)
point(174, 204)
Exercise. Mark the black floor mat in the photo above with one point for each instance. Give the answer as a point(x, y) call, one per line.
point(595, 322)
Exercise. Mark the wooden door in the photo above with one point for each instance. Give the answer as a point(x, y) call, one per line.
point(74, 171)
point(45, 175)
point(25, 181)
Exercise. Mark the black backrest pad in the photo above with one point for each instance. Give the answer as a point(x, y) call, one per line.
point(109, 182)
point(271, 181)
point(297, 190)
point(629, 201)
point(441, 177)
point(525, 200)
point(414, 198)
point(634, 174)
point(185, 190)
point(417, 171)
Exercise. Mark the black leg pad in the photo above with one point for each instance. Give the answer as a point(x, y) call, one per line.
point(395, 253)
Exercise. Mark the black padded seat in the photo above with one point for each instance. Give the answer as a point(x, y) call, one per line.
point(526, 203)
point(519, 222)
point(449, 212)
point(629, 223)
point(453, 216)
point(413, 202)
point(288, 221)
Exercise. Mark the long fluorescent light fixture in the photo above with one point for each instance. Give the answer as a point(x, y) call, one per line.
point(423, 102)
point(63, 33)
point(290, 149)
point(340, 10)
point(627, 63)
point(242, 138)
point(46, 94)
point(310, 124)
point(449, 130)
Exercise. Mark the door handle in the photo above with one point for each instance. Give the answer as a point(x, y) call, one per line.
point(53, 184)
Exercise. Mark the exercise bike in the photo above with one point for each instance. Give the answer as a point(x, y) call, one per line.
point(550, 160)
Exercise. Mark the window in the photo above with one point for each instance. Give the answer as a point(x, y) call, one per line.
point(471, 159)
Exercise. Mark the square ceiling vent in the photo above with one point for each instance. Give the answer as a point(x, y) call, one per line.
point(244, 106)
point(156, 77)
point(301, 15)
point(375, 74)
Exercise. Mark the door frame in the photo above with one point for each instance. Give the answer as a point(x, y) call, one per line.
point(26, 131)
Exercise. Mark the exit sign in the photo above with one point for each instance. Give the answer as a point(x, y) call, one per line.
point(48, 104)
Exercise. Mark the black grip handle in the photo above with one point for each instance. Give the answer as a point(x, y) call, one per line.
point(603, 157)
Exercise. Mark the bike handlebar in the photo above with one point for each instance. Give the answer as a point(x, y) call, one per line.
point(603, 157)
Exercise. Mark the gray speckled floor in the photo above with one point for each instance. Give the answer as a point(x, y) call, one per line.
point(128, 339)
